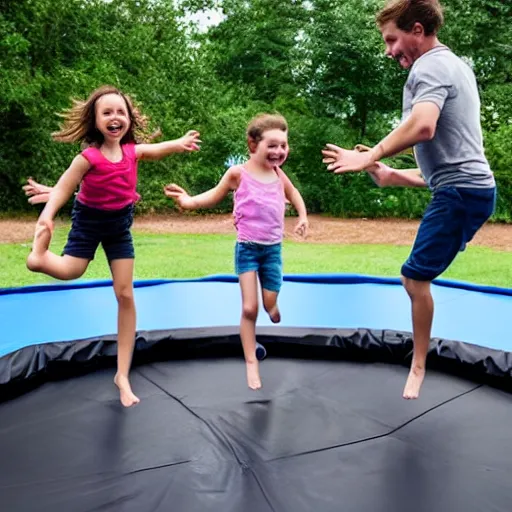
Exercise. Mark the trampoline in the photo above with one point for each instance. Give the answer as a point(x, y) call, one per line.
point(328, 431)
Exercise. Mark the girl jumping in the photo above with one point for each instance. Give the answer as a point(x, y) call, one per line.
point(111, 128)
point(261, 189)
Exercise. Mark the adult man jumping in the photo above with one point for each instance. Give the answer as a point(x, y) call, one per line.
point(441, 121)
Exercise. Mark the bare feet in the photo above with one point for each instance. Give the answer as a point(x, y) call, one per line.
point(275, 315)
point(125, 391)
point(253, 375)
point(414, 382)
point(42, 238)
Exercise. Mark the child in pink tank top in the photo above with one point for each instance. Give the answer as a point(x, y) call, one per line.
point(261, 189)
point(107, 122)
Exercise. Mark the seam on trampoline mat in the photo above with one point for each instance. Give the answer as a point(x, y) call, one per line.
point(111, 475)
point(264, 494)
point(373, 438)
point(160, 466)
point(434, 408)
point(210, 427)
point(216, 434)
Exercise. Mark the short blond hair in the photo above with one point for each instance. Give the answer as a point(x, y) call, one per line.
point(405, 13)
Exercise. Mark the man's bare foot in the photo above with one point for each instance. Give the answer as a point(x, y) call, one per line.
point(414, 382)
point(275, 315)
point(253, 375)
point(42, 238)
point(125, 391)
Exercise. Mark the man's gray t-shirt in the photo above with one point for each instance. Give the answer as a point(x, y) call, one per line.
point(455, 156)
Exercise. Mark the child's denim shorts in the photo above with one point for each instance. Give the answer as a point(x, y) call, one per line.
point(264, 259)
point(451, 220)
point(91, 227)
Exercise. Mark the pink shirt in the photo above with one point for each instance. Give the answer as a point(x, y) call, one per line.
point(109, 185)
point(259, 209)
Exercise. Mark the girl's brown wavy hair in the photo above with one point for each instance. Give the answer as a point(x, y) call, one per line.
point(80, 121)
point(265, 122)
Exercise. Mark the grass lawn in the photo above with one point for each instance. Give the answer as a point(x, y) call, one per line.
point(184, 256)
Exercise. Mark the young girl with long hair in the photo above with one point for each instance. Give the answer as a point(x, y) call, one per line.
point(113, 131)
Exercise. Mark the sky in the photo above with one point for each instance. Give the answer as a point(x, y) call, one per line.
point(207, 18)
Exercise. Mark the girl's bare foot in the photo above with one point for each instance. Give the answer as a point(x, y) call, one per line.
point(414, 382)
point(125, 391)
point(253, 375)
point(275, 315)
point(40, 245)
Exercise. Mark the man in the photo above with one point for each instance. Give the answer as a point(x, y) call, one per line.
point(441, 120)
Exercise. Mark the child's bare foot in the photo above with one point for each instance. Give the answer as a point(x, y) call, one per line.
point(275, 315)
point(414, 382)
point(125, 391)
point(253, 375)
point(40, 245)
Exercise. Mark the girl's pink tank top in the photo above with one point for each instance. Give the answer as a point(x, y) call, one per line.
point(109, 185)
point(259, 209)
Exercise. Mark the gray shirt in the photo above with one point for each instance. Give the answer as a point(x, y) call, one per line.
point(455, 156)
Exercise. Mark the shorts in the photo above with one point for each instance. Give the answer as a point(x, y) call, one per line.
point(91, 227)
point(451, 220)
point(264, 259)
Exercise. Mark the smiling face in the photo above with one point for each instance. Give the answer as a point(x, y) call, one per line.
point(112, 117)
point(272, 150)
point(404, 47)
point(409, 28)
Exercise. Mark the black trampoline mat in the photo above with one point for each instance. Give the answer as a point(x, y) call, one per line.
point(320, 436)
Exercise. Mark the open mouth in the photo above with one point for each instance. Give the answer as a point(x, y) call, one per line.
point(114, 128)
point(400, 58)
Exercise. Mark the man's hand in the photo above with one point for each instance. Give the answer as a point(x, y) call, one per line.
point(381, 174)
point(341, 160)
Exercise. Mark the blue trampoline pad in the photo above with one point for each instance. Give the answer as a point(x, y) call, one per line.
point(466, 313)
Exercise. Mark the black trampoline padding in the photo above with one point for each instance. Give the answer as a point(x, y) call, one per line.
point(320, 435)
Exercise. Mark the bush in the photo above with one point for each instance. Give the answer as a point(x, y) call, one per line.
point(498, 150)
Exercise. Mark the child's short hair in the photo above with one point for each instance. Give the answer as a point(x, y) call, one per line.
point(264, 122)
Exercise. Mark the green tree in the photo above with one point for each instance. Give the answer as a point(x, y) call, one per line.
point(255, 45)
point(348, 76)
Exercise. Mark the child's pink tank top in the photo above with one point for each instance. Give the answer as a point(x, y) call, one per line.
point(109, 185)
point(259, 210)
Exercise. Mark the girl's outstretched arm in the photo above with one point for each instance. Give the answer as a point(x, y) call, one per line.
point(64, 188)
point(207, 199)
point(189, 142)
